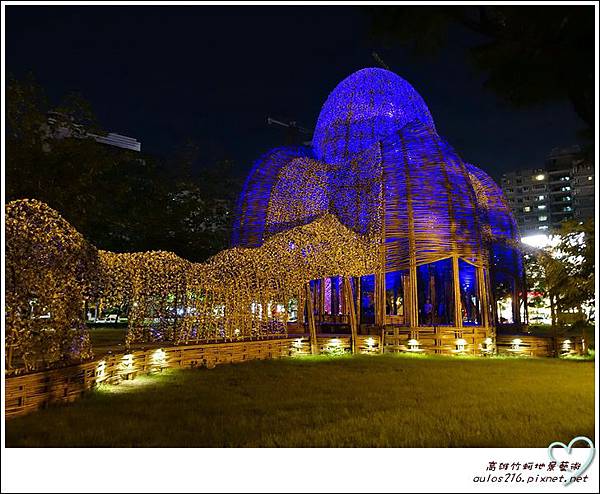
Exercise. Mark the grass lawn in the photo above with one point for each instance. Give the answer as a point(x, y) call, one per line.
point(386, 400)
point(107, 337)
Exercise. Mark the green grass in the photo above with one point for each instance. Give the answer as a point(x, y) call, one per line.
point(105, 338)
point(386, 400)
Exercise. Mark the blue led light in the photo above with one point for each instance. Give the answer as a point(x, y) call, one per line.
point(375, 140)
point(365, 107)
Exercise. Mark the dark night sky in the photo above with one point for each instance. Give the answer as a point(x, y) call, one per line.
point(213, 74)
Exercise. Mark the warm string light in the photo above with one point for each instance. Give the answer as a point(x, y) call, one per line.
point(50, 271)
point(238, 293)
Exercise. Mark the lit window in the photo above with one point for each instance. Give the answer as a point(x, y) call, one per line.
point(542, 206)
point(526, 209)
point(543, 227)
point(564, 189)
point(540, 177)
point(541, 198)
point(589, 178)
point(543, 218)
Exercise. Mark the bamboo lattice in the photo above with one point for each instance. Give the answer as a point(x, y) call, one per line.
point(239, 293)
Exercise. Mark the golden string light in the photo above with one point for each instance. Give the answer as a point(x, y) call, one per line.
point(239, 293)
point(50, 271)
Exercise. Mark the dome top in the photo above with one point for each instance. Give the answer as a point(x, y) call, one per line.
point(366, 107)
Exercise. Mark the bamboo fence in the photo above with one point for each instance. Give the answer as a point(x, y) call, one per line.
point(33, 391)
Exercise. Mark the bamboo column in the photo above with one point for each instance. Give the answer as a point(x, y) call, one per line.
point(412, 302)
point(312, 328)
point(412, 311)
point(458, 322)
point(321, 304)
point(483, 311)
point(348, 296)
point(358, 301)
point(494, 304)
point(380, 299)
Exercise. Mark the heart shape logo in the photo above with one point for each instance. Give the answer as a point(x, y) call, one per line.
point(584, 465)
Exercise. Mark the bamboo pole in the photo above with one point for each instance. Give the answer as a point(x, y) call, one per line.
point(380, 298)
point(458, 322)
point(312, 328)
point(321, 304)
point(412, 309)
point(358, 301)
point(348, 296)
point(483, 311)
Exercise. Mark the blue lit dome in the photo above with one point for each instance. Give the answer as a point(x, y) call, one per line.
point(438, 227)
point(366, 107)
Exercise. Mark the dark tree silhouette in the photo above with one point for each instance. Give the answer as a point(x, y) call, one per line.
point(530, 54)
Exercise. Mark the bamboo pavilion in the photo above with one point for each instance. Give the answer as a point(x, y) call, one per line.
point(450, 270)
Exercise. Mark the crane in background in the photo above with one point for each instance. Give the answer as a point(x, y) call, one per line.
point(380, 61)
point(294, 132)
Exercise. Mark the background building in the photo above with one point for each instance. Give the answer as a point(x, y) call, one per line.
point(61, 126)
point(541, 198)
point(117, 140)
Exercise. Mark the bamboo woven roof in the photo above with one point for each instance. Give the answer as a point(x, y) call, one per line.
point(381, 168)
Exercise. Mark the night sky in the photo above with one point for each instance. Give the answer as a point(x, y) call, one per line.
point(167, 74)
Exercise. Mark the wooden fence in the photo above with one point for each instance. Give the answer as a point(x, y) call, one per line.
point(33, 391)
point(337, 344)
point(471, 340)
point(475, 340)
point(29, 392)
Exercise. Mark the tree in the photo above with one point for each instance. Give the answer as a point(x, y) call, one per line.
point(120, 200)
point(114, 197)
point(564, 272)
point(531, 54)
point(200, 210)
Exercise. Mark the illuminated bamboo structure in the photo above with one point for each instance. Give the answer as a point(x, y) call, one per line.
point(449, 269)
point(240, 294)
point(50, 271)
point(379, 228)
